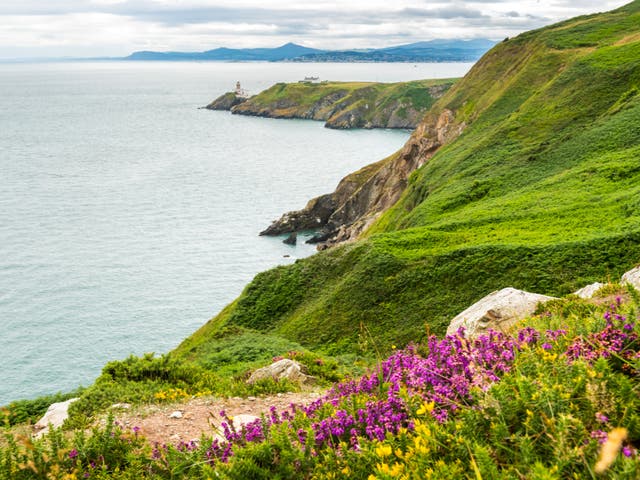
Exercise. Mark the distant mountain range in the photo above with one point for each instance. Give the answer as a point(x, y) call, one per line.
point(430, 51)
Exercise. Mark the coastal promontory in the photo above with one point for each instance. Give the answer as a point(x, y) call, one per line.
point(341, 105)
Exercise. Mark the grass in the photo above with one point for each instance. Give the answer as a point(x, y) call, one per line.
point(372, 104)
point(546, 402)
point(540, 193)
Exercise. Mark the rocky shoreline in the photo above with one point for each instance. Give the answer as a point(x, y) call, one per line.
point(341, 105)
point(362, 196)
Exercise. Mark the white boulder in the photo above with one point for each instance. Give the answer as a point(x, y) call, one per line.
point(632, 277)
point(237, 422)
point(589, 291)
point(55, 416)
point(280, 370)
point(497, 311)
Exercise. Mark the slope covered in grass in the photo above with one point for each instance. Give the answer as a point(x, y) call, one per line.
point(342, 104)
point(541, 192)
point(556, 398)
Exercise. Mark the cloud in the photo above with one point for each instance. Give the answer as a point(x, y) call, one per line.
point(443, 12)
point(117, 27)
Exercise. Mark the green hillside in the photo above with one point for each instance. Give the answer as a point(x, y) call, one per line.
point(342, 104)
point(541, 192)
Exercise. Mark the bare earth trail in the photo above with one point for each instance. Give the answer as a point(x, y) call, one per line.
point(202, 415)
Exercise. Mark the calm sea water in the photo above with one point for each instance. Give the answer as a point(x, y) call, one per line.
point(128, 217)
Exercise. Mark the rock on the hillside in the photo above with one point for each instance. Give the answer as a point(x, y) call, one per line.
point(632, 277)
point(176, 414)
point(284, 369)
point(589, 290)
point(238, 421)
point(243, 419)
point(362, 196)
point(497, 311)
point(55, 416)
point(226, 102)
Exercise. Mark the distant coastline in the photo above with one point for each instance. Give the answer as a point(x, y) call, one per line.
point(431, 51)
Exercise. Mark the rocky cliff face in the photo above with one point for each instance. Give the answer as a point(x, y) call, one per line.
point(361, 196)
point(342, 105)
point(226, 102)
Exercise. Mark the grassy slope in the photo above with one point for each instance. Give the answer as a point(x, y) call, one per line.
point(297, 99)
point(540, 193)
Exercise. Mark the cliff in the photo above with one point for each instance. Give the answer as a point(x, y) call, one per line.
point(524, 173)
point(361, 196)
point(342, 104)
point(529, 178)
point(226, 101)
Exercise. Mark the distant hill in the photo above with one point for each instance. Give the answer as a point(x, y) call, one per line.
point(284, 52)
point(431, 51)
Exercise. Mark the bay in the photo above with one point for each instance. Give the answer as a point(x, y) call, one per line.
point(128, 216)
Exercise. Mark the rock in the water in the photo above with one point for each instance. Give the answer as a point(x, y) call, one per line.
point(282, 369)
point(589, 291)
point(55, 416)
point(291, 239)
point(497, 311)
point(632, 277)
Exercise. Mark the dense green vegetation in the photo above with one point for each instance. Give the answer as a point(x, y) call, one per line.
point(348, 104)
point(558, 399)
point(306, 94)
point(540, 193)
point(30, 411)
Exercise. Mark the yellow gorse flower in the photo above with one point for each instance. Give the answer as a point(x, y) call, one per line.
point(426, 408)
point(383, 450)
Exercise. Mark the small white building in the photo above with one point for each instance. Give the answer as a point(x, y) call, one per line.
point(240, 92)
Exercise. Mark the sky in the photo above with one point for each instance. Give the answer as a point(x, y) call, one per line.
point(94, 28)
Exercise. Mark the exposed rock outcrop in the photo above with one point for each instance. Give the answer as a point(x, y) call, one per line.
point(284, 369)
point(589, 291)
point(362, 196)
point(498, 311)
point(226, 101)
point(238, 422)
point(291, 239)
point(55, 416)
point(632, 277)
point(341, 105)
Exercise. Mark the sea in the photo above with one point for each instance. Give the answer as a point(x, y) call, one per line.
point(129, 216)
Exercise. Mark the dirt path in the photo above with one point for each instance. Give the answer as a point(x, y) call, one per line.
point(162, 423)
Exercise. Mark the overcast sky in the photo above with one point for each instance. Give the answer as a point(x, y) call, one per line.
point(30, 28)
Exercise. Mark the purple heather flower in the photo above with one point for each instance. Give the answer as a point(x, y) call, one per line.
point(599, 435)
point(626, 451)
point(601, 417)
point(73, 453)
point(547, 346)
